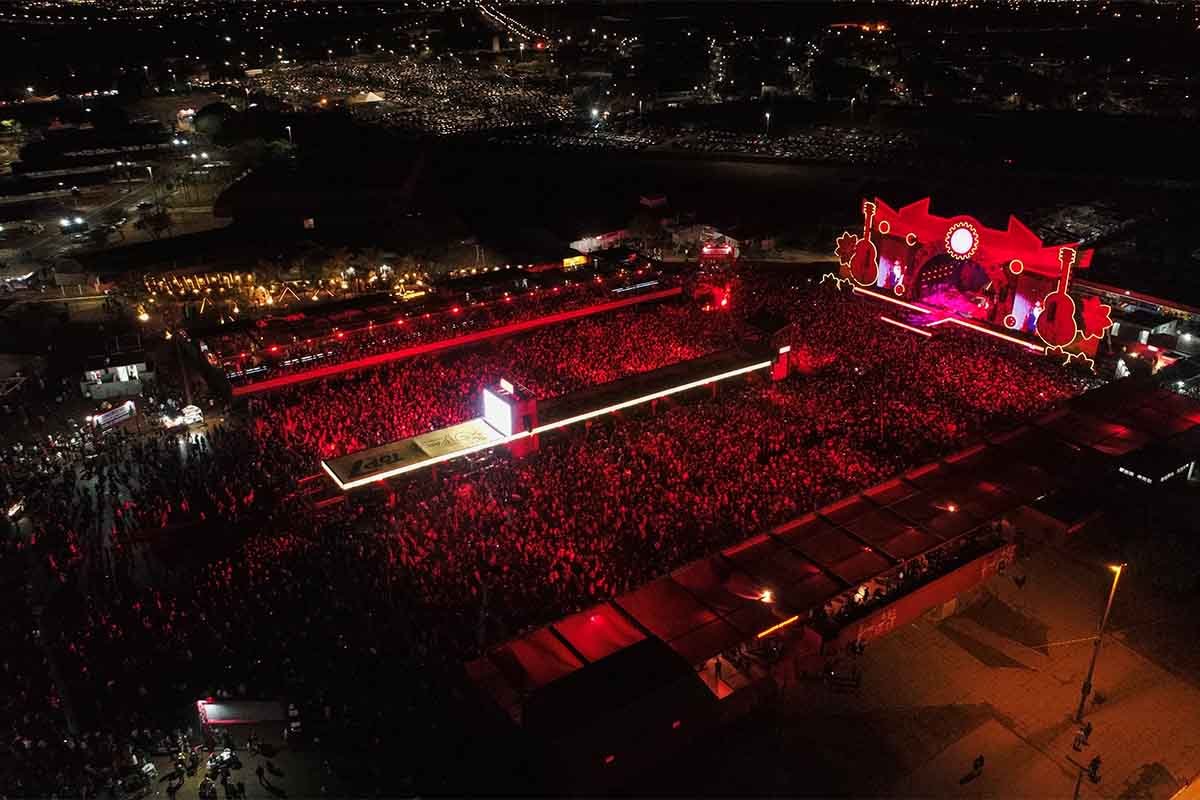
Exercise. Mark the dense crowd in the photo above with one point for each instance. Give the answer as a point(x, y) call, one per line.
point(395, 586)
point(280, 348)
point(404, 398)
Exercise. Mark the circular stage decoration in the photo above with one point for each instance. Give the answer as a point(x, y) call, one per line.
point(962, 240)
point(899, 289)
point(1016, 266)
point(1010, 322)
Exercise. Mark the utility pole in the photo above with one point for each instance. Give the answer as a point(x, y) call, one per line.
point(1086, 689)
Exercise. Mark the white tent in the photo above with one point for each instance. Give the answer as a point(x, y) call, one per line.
point(363, 97)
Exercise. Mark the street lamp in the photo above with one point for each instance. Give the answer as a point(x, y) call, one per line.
point(768, 116)
point(288, 128)
point(1086, 689)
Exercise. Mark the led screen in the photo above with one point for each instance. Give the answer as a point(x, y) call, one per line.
point(986, 293)
point(497, 412)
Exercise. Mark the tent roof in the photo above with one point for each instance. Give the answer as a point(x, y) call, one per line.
point(611, 682)
point(713, 604)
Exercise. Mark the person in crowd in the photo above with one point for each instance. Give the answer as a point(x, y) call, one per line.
point(157, 561)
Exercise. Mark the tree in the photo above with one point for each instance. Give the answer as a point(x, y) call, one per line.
point(213, 119)
point(312, 263)
point(267, 272)
point(338, 262)
point(99, 235)
point(645, 225)
point(257, 152)
point(155, 220)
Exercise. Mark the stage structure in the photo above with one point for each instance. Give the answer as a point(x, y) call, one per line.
point(714, 283)
point(512, 416)
point(1005, 283)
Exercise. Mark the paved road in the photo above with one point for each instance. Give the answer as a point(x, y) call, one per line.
point(1000, 680)
point(50, 243)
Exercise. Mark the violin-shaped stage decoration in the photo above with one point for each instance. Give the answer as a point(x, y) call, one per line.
point(864, 264)
point(1056, 325)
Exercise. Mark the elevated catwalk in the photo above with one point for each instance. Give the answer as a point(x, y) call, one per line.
point(418, 452)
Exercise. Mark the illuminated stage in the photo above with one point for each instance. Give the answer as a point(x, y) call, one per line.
point(512, 419)
point(1006, 283)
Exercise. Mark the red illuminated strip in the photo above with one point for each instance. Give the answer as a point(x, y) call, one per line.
point(895, 300)
point(443, 344)
point(1037, 348)
point(906, 326)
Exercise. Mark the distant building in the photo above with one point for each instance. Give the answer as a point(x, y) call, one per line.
point(691, 236)
point(65, 148)
point(123, 371)
point(600, 233)
point(600, 241)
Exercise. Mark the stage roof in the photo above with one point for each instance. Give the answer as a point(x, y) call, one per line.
point(713, 604)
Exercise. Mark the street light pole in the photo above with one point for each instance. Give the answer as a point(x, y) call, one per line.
point(768, 116)
point(1086, 689)
point(288, 128)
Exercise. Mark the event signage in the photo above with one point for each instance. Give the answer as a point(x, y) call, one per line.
point(114, 415)
point(426, 449)
point(472, 433)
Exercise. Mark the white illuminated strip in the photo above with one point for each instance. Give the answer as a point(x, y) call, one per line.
point(642, 285)
point(1037, 348)
point(1133, 474)
point(906, 326)
point(647, 398)
point(429, 462)
point(898, 302)
point(391, 473)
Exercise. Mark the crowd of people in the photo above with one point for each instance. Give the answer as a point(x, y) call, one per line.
point(282, 346)
point(165, 569)
point(412, 396)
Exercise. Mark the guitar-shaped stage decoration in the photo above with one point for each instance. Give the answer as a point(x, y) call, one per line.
point(1056, 325)
point(864, 265)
